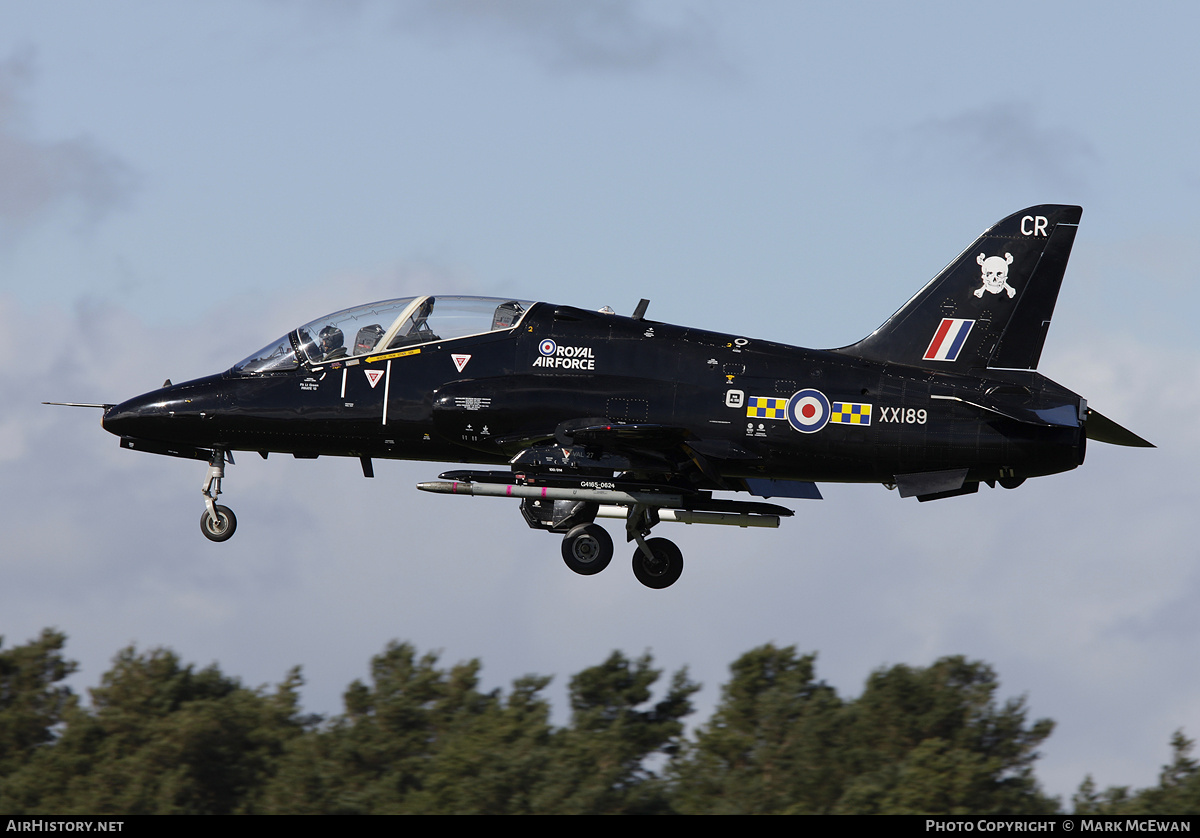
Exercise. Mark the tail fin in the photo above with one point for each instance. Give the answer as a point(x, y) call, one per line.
point(991, 306)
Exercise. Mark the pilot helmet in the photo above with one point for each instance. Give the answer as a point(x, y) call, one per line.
point(331, 339)
point(366, 338)
point(507, 314)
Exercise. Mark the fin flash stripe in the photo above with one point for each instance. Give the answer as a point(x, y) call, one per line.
point(948, 340)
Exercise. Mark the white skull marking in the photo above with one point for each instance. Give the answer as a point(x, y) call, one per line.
point(995, 275)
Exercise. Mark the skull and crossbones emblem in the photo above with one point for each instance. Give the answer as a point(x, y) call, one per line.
point(995, 275)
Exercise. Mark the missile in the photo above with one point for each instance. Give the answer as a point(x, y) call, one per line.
point(510, 490)
point(612, 503)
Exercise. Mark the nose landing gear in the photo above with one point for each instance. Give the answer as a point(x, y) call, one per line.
point(217, 522)
point(218, 526)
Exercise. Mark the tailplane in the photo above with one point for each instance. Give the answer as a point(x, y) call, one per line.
point(991, 306)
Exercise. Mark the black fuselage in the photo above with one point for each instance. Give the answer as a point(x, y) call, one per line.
point(485, 398)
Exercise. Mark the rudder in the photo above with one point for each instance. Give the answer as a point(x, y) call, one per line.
point(991, 306)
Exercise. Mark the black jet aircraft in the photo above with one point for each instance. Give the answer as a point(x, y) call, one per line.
point(589, 414)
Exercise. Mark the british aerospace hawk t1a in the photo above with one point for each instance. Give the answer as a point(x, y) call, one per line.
point(588, 414)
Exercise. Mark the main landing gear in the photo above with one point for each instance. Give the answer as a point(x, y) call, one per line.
point(587, 549)
point(217, 522)
point(570, 504)
point(657, 563)
point(661, 567)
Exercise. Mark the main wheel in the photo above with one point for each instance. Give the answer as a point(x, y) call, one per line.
point(220, 528)
point(664, 569)
point(587, 549)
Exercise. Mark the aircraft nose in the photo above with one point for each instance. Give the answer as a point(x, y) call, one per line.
point(178, 413)
point(135, 416)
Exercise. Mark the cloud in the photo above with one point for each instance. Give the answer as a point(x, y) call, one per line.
point(1003, 141)
point(582, 35)
point(39, 176)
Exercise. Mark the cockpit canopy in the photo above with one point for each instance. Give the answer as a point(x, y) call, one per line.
point(389, 324)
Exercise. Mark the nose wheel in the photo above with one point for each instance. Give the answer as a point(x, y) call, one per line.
point(217, 522)
point(218, 527)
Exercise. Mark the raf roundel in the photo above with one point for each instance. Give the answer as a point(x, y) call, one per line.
point(808, 411)
point(547, 347)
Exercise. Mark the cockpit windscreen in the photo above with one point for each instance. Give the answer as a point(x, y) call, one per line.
point(385, 325)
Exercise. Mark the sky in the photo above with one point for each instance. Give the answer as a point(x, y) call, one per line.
point(181, 183)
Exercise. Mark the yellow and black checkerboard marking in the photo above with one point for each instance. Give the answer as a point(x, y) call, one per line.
point(766, 407)
point(851, 413)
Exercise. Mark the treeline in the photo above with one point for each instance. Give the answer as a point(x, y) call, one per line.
point(159, 736)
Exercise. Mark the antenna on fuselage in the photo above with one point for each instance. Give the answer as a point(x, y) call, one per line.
point(640, 311)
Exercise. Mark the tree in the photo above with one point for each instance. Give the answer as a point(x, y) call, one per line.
point(33, 702)
point(600, 760)
point(924, 741)
point(162, 738)
point(770, 746)
point(916, 741)
point(1177, 792)
point(420, 740)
